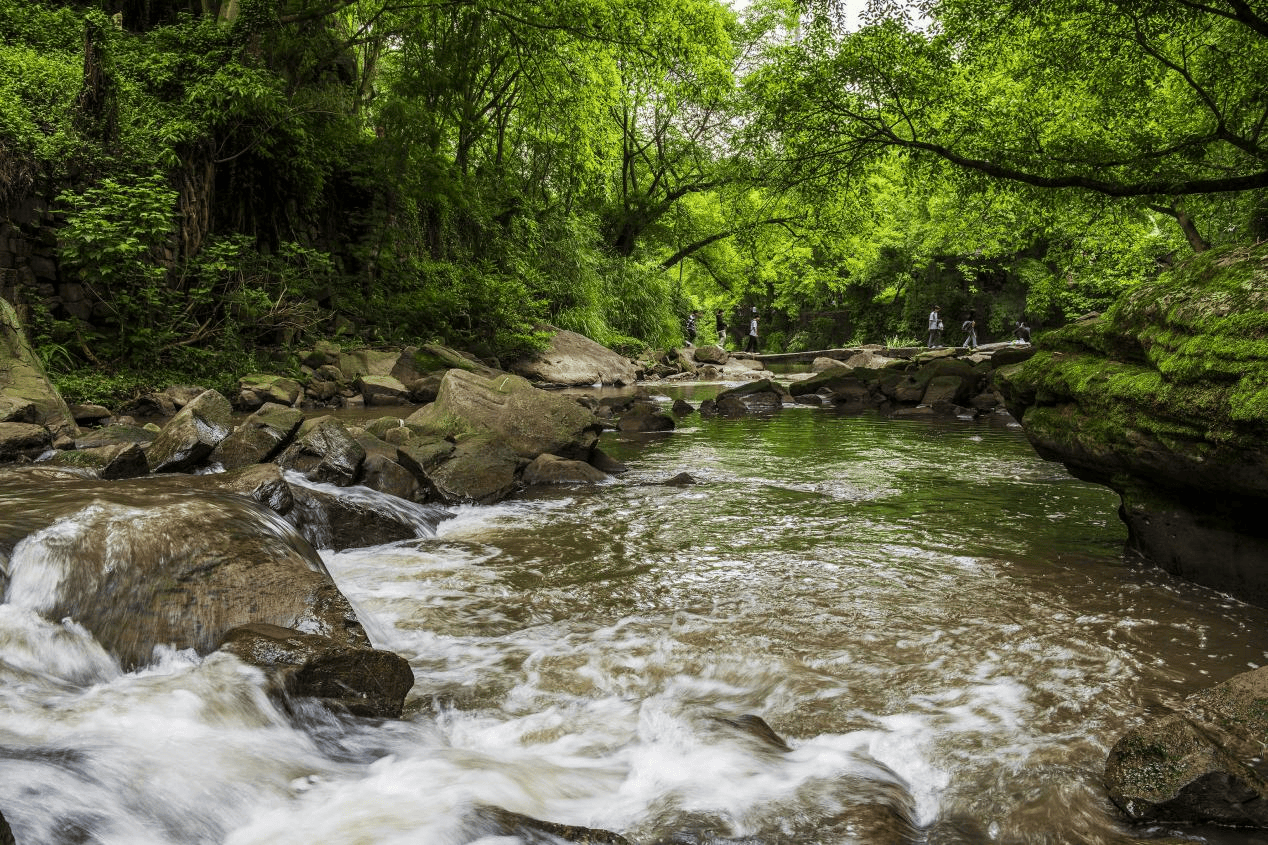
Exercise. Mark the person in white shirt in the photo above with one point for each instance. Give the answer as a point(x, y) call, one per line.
point(751, 344)
point(935, 328)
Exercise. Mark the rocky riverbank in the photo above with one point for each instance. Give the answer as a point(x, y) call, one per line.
point(1164, 398)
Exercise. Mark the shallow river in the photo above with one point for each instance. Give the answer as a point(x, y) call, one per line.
point(941, 627)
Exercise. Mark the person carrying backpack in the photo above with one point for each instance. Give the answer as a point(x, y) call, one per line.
point(969, 327)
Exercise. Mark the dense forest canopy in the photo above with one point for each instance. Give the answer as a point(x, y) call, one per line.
point(228, 177)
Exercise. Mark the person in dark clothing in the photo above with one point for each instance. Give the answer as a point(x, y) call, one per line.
point(691, 327)
point(720, 323)
point(1022, 332)
point(969, 327)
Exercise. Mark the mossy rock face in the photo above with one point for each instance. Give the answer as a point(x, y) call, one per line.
point(1165, 398)
point(23, 383)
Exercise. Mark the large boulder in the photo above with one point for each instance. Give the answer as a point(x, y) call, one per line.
point(710, 355)
point(480, 469)
point(23, 440)
point(552, 469)
point(1164, 398)
point(160, 561)
point(1201, 763)
point(527, 421)
point(575, 359)
point(365, 681)
point(192, 434)
point(417, 362)
point(122, 460)
point(382, 390)
point(26, 394)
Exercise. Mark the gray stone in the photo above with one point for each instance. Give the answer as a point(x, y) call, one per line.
point(552, 469)
point(189, 437)
point(325, 452)
point(18, 439)
point(382, 390)
point(574, 359)
point(259, 438)
point(122, 460)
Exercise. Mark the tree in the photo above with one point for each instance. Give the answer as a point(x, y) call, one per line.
point(1156, 100)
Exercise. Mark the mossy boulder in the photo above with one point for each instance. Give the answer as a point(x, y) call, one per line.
point(1200, 764)
point(26, 394)
point(1164, 398)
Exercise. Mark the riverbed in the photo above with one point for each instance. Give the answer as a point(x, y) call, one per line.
point(942, 631)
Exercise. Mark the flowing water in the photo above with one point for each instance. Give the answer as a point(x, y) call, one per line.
point(941, 627)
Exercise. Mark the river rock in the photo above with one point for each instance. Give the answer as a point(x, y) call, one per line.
point(682, 408)
point(828, 379)
point(480, 469)
point(552, 469)
point(643, 417)
point(160, 561)
point(90, 414)
point(25, 390)
point(122, 460)
point(262, 483)
point(525, 420)
point(494, 823)
point(367, 362)
point(259, 438)
point(574, 359)
point(604, 462)
point(23, 440)
point(259, 388)
point(352, 519)
point(114, 434)
point(416, 362)
point(710, 355)
point(758, 396)
point(382, 390)
point(381, 473)
point(190, 436)
point(1200, 764)
point(365, 681)
point(1164, 398)
point(325, 452)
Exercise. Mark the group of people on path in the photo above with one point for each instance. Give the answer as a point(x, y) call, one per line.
point(720, 325)
point(1021, 334)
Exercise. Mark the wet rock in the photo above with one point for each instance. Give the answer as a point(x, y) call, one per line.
point(259, 438)
point(574, 359)
point(496, 822)
point(604, 462)
point(423, 454)
point(552, 469)
point(480, 469)
point(682, 479)
point(952, 389)
point(381, 473)
point(682, 408)
point(344, 520)
point(23, 440)
point(326, 452)
point(262, 483)
point(756, 727)
point(1201, 764)
point(644, 417)
point(122, 460)
point(160, 561)
point(189, 437)
point(762, 395)
point(364, 681)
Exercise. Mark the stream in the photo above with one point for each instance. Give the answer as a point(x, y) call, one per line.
point(941, 629)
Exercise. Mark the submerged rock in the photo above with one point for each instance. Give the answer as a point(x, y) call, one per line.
point(363, 680)
point(1202, 764)
point(1164, 398)
point(552, 469)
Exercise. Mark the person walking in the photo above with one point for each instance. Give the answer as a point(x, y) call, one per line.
point(720, 323)
point(751, 344)
point(935, 328)
point(691, 327)
point(969, 326)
